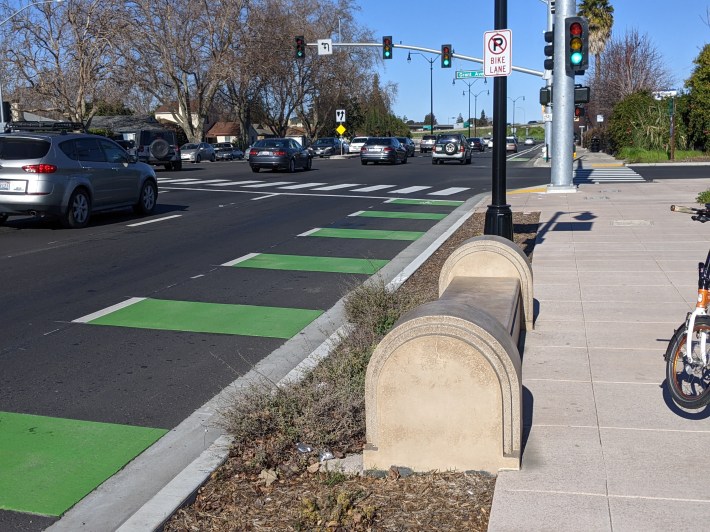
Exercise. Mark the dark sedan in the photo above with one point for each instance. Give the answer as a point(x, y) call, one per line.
point(286, 154)
point(383, 150)
point(408, 145)
point(477, 144)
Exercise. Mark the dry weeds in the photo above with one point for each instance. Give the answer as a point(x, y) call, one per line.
point(266, 484)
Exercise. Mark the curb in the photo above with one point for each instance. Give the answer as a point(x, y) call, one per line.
point(92, 513)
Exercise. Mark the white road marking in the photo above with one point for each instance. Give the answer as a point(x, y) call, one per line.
point(373, 188)
point(264, 197)
point(108, 310)
point(235, 183)
point(336, 187)
point(407, 190)
point(241, 259)
point(358, 213)
point(309, 233)
point(448, 191)
point(177, 181)
point(269, 184)
point(156, 220)
point(302, 185)
point(212, 181)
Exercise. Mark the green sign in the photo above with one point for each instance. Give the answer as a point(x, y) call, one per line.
point(465, 74)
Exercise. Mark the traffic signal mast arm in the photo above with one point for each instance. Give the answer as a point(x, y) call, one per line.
point(523, 70)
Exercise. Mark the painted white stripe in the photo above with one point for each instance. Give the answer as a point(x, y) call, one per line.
point(358, 213)
point(236, 183)
point(448, 191)
point(241, 259)
point(302, 185)
point(156, 220)
point(309, 233)
point(336, 187)
point(212, 181)
point(108, 310)
point(274, 184)
point(407, 190)
point(178, 181)
point(264, 197)
point(373, 188)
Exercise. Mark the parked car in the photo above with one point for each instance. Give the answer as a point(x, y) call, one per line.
point(46, 171)
point(511, 144)
point(489, 143)
point(279, 153)
point(408, 145)
point(476, 144)
point(327, 146)
point(451, 147)
point(223, 151)
point(356, 144)
point(157, 147)
point(529, 141)
point(237, 154)
point(196, 152)
point(383, 150)
point(427, 143)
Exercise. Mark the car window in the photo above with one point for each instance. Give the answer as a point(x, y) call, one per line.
point(448, 138)
point(189, 147)
point(374, 141)
point(88, 150)
point(359, 139)
point(113, 152)
point(19, 148)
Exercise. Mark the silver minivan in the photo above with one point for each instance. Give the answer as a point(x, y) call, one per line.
point(44, 171)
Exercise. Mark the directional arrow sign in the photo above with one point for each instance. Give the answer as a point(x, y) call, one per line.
point(465, 74)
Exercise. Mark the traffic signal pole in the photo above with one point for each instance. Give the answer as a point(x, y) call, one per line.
point(563, 106)
point(499, 217)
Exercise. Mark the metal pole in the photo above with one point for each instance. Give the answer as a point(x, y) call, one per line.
point(469, 110)
point(548, 83)
point(499, 217)
point(431, 94)
point(562, 120)
point(475, 115)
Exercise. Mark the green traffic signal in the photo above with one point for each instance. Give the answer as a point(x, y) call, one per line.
point(387, 47)
point(445, 56)
point(300, 47)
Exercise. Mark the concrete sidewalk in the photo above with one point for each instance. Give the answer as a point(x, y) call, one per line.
point(605, 448)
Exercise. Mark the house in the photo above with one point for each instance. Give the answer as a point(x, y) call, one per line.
point(167, 113)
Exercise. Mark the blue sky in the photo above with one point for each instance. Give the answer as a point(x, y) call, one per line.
point(677, 28)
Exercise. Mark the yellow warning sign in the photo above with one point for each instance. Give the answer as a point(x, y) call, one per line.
point(340, 129)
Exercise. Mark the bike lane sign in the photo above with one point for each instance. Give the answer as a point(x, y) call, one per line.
point(497, 53)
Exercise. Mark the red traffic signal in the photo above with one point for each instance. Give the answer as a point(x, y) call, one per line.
point(445, 56)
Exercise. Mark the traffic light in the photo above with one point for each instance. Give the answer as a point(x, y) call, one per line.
point(550, 50)
point(387, 47)
point(578, 111)
point(576, 45)
point(300, 47)
point(445, 56)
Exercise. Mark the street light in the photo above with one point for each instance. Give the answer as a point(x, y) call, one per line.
point(475, 110)
point(431, 86)
point(469, 102)
point(512, 128)
point(2, 110)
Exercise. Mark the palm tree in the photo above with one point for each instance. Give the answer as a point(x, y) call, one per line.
point(600, 14)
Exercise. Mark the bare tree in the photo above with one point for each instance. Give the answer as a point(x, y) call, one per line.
point(629, 64)
point(178, 51)
point(62, 57)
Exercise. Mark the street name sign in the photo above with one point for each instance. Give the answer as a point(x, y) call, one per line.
point(497, 53)
point(465, 74)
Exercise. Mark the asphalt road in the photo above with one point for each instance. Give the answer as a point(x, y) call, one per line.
point(113, 334)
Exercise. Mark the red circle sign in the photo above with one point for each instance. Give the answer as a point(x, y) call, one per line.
point(497, 43)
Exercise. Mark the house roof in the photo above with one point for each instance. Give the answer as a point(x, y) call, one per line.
point(224, 129)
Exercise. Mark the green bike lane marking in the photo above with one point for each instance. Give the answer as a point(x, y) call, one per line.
point(374, 234)
point(48, 464)
point(400, 215)
point(193, 316)
point(440, 203)
point(308, 263)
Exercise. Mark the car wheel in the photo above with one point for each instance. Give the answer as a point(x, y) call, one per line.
point(364, 163)
point(309, 163)
point(3, 217)
point(433, 161)
point(177, 166)
point(213, 158)
point(255, 169)
point(291, 166)
point(147, 200)
point(78, 210)
point(404, 161)
point(198, 159)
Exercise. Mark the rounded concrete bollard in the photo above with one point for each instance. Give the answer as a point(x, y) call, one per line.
point(443, 391)
point(491, 256)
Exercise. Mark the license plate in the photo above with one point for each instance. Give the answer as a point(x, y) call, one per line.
point(4, 185)
point(377, 150)
point(264, 153)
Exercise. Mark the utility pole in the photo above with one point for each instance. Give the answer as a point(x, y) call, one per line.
point(562, 117)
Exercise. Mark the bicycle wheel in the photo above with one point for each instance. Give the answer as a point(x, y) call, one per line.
point(689, 379)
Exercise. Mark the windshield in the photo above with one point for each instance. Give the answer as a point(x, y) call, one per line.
point(271, 143)
point(189, 147)
point(359, 139)
point(324, 142)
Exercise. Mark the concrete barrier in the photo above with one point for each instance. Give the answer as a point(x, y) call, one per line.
point(443, 389)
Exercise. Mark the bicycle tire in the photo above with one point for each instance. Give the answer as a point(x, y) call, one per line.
point(689, 390)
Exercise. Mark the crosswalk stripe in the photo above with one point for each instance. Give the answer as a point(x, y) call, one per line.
point(302, 185)
point(373, 188)
point(179, 181)
point(448, 191)
point(212, 181)
point(264, 185)
point(337, 187)
point(235, 183)
point(407, 190)
point(620, 174)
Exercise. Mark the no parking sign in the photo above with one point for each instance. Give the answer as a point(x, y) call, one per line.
point(497, 53)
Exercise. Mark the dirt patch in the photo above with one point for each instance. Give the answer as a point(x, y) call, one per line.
point(267, 484)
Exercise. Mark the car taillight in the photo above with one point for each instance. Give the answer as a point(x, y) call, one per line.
point(280, 153)
point(253, 152)
point(363, 148)
point(388, 148)
point(40, 168)
point(462, 149)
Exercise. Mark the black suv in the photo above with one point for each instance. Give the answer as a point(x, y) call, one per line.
point(158, 147)
point(451, 147)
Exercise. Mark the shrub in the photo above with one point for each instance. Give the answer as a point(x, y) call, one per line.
point(703, 197)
